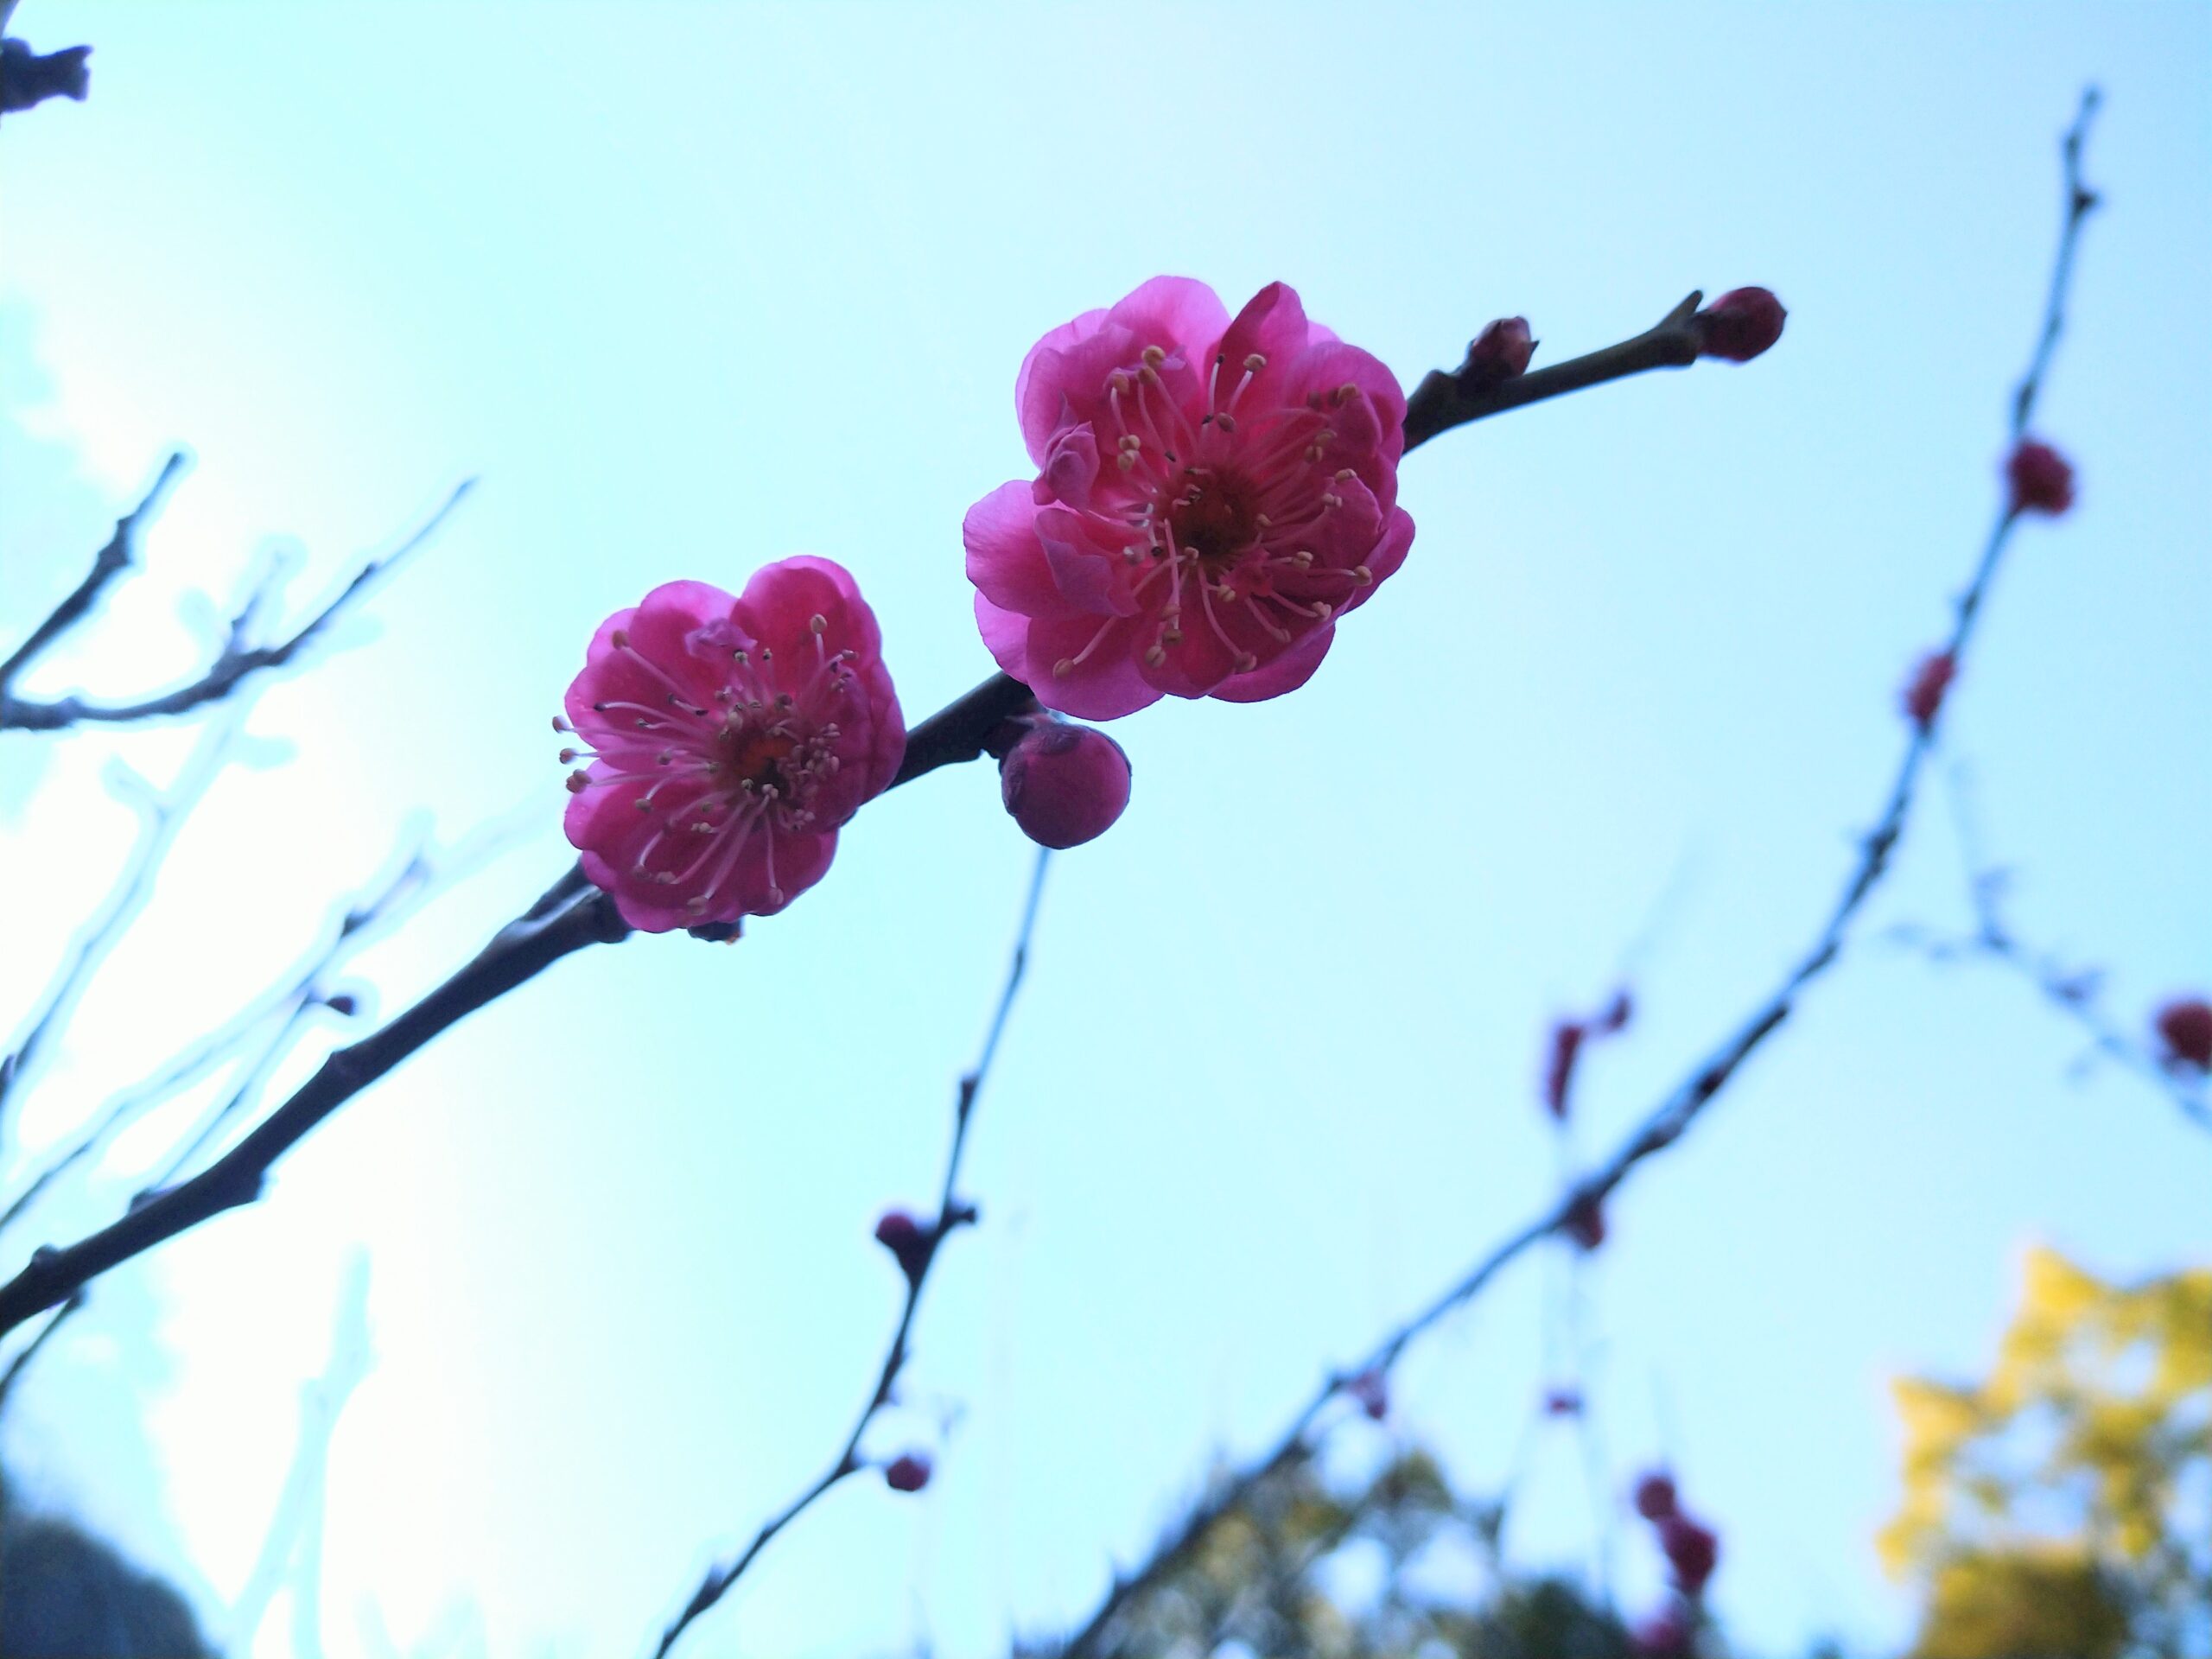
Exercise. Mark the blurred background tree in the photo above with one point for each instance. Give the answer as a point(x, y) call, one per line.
point(2064, 1506)
point(1377, 1569)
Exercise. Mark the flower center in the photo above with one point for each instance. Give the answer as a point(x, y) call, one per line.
point(1212, 520)
point(756, 755)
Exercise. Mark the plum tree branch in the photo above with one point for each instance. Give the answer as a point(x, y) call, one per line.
point(963, 730)
point(1681, 1107)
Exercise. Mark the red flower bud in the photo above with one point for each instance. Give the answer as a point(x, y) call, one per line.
point(1063, 783)
point(1923, 694)
point(2041, 478)
point(1693, 1551)
point(2185, 1026)
point(1501, 351)
point(1586, 1221)
point(909, 1473)
point(1371, 1390)
point(1654, 1495)
point(1740, 324)
point(906, 1239)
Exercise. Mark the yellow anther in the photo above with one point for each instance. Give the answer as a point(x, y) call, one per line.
point(1255, 363)
point(1155, 356)
point(819, 622)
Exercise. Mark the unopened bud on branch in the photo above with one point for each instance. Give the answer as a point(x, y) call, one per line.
point(1923, 693)
point(1740, 324)
point(2042, 479)
point(1370, 1391)
point(909, 1473)
point(1501, 351)
point(2185, 1027)
point(1063, 783)
point(906, 1239)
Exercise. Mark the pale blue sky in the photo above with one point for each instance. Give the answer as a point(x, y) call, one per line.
point(693, 288)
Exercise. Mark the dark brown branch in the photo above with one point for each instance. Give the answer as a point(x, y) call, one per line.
point(238, 658)
point(952, 1212)
point(1673, 1115)
point(571, 915)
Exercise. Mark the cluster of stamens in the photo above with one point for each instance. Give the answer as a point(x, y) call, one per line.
point(1217, 510)
point(711, 775)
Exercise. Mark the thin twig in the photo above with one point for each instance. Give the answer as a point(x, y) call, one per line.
point(2071, 991)
point(238, 658)
point(1675, 1113)
point(1444, 400)
point(952, 1212)
point(111, 562)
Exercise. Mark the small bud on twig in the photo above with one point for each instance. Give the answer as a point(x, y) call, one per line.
point(909, 1473)
point(2184, 1027)
point(1740, 324)
point(907, 1240)
point(2041, 478)
point(1923, 694)
point(1500, 352)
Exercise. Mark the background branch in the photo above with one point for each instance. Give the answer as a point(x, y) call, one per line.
point(952, 1213)
point(1679, 1109)
point(111, 562)
point(238, 658)
point(161, 815)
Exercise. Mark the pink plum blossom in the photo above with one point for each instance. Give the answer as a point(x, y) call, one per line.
point(730, 737)
point(1211, 496)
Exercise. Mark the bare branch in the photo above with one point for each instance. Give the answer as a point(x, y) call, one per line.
point(952, 1213)
point(111, 562)
point(1681, 1107)
point(238, 658)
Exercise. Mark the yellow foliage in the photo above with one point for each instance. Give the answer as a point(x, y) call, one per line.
point(2042, 1506)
